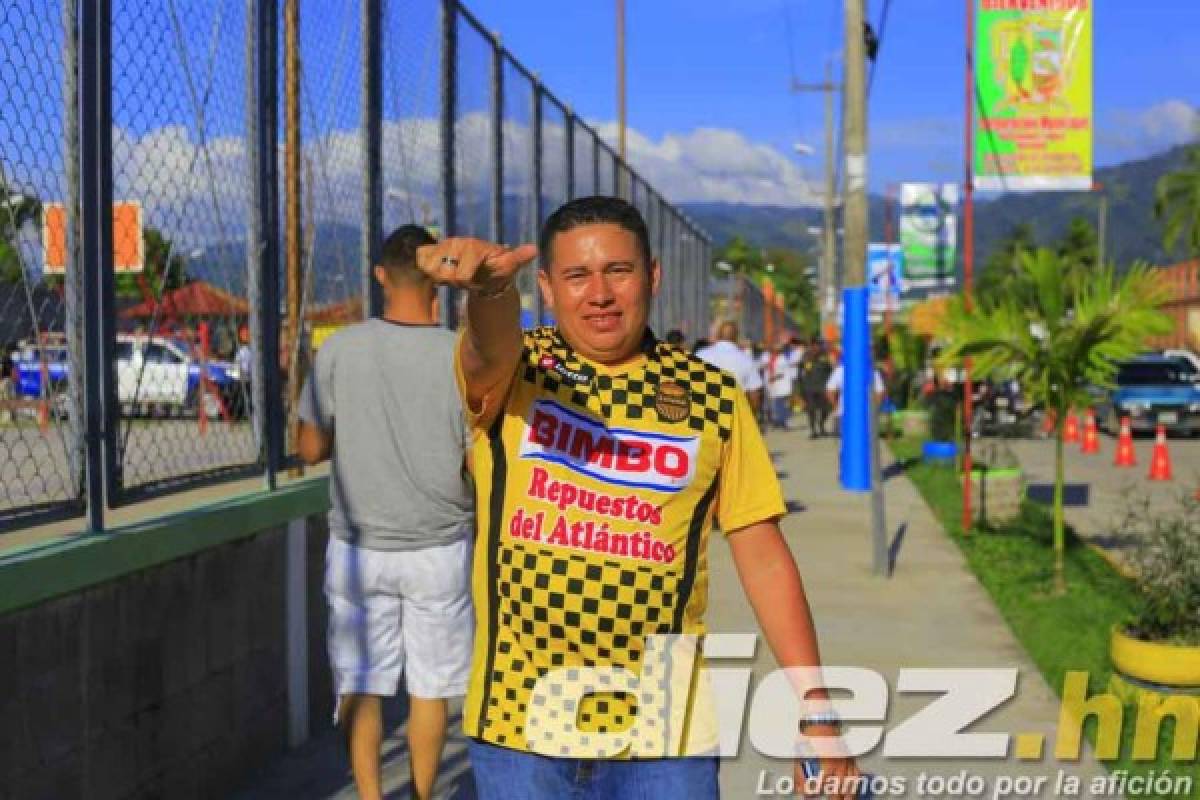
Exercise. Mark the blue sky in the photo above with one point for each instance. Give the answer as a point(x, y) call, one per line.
point(721, 64)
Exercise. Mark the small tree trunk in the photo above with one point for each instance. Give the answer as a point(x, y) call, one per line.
point(1060, 580)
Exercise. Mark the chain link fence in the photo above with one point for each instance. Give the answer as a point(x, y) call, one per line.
point(40, 344)
point(181, 195)
point(521, 208)
point(184, 223)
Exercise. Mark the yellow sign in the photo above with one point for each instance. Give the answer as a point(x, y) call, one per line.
point(1033, 76)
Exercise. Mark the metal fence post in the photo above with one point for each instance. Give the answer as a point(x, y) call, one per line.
point(73, 281)
point(690, 274)
point(95, 122)
point(496, 229)
point(569, 141)
point(92, 118)
point(447, 296)
point(372, 146)
point(702, 286)
point(262, 256)
point(596, 165)
point(535, 130)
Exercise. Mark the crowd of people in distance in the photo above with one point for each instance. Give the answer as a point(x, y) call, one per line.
point(782, 377)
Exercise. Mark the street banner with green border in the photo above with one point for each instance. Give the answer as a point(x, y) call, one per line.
point(928, 235)
point(1033, 76)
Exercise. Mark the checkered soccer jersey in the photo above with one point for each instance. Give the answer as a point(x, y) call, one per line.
point(596, 489)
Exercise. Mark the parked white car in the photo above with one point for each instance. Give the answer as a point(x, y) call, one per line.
point(154, 373)
point(157, 372)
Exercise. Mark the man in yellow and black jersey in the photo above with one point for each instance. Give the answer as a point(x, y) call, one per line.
point(602, 459)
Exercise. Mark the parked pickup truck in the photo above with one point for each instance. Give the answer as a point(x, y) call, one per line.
point(1153, 390)
point(154, 374)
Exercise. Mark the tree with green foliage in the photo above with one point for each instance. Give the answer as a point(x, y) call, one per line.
point(1177, 204)
point(1057, 337)
point(160, 257)
point(1003, 266)
point(908, 352)
point(787, 273)
point(1079, 248)
point(16, 210)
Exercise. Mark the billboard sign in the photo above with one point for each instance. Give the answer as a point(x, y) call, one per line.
point(128, 246)
point(1033, 75)
point(885, 271)
point(928, 235)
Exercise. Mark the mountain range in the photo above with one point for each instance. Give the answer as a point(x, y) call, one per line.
point(1133, 233)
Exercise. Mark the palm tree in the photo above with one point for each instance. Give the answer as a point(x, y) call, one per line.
point(908, 352)
point(1177, 203)
point(1057, 337)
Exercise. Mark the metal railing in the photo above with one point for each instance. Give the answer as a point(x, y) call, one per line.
point(145, 185)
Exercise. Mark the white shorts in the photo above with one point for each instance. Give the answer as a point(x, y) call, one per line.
point(399, 611)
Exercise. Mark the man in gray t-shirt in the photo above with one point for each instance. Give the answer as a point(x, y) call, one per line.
point(382, 401)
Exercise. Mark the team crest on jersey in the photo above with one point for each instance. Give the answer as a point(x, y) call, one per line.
point(672, 403)
point(622, 457)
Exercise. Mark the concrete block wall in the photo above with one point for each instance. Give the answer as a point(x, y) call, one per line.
point(170, 681)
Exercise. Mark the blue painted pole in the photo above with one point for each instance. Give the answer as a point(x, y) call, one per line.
point(855, 462)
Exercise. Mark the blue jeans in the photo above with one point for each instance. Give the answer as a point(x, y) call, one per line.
point(781, 411)
point(504, 774)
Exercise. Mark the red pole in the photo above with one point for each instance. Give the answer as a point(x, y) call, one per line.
point(968, 249)
point(201, 416)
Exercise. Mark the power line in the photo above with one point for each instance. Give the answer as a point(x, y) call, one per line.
point(883, 20)
point(791, 39)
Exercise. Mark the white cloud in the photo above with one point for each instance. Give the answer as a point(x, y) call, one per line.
point(199, 194)
point(715, 164)
point(1128, 133)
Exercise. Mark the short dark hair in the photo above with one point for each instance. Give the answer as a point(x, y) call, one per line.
point(595, 210)
point(399, 252)
point(674, 337)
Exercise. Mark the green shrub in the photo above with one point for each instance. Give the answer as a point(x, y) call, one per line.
point(943, 409)
point(1166, 562)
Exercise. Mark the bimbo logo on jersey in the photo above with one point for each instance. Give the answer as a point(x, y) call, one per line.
point(636, 459)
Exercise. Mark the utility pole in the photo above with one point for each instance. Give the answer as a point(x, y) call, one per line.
point(292, 222)
point(854, 136)
point(854, 243)
point(826, 271)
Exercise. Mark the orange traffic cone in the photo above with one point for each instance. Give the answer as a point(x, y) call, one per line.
point(1049, 420)
point(1071, 428)
point(1125, 456)
point(1091, 439)
point(1160, 462)
point(43, 415)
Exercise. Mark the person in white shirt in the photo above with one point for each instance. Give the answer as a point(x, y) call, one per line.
point(833, 389)
point(725, 354)
point(780, 376)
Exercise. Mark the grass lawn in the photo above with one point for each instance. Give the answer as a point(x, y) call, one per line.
point(1061, 634)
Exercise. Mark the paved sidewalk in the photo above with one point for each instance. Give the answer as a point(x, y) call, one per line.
point(930, 613)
